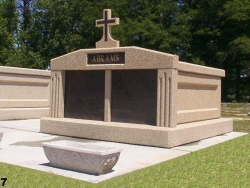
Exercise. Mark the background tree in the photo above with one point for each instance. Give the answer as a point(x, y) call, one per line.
point(62, 26)
point(8, 21)
point(22, 53)
point(157, 25)
point(220, 38)
point(234, 53)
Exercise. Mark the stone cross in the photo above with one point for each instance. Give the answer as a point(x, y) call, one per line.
point(107, 41)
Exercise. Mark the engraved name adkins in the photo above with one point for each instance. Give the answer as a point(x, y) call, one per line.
point(107, 58)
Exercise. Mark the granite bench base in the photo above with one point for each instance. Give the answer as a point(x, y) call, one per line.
point(81, 157)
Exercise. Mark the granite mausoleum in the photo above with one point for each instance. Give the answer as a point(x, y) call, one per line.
point(133, 95)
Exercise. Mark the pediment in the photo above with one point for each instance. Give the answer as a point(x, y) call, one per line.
point(134, 58)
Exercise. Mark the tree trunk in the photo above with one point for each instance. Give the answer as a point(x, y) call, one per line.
point(237, 82)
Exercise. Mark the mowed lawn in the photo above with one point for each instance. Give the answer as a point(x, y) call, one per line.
point(223, 165)
point(238, 111)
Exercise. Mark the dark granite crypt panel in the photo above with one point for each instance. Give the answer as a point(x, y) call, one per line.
point(84, 95)
point(134, 96)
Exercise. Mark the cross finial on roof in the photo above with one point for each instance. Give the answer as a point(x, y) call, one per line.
point(107, 41)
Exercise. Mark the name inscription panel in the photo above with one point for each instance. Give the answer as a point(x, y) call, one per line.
point(107, 58)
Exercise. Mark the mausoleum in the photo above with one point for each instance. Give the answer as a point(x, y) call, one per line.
point(133, 95)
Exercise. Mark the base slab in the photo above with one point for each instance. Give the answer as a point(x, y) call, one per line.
point(136, 133)
point(23, 113)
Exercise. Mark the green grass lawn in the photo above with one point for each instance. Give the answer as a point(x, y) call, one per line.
point(223, 165)
point(235, 110)
point(238, 111)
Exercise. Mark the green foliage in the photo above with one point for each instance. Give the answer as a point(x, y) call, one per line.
point(157, 25)
point(61, 26)
point(7, 27)
point(234, 53)
point(21, 57)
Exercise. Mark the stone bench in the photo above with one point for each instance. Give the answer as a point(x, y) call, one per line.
point(82, 157)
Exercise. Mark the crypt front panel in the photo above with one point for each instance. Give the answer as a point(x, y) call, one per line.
point(134, 96)
point(84, 95)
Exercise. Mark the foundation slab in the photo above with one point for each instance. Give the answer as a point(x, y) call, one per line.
point(137, 133)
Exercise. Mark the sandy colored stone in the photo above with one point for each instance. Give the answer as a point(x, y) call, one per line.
point(81, 157)
point(57, 92)
point(23, 113)
point(107, 102)
point(107, 41)
point(24, 94)
point(203, 70)
point(136, 133)
point(23, 103)
point(135, 58)
point(23, 71)
point(190, 132)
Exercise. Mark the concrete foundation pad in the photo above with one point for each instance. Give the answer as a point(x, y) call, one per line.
point(32, 125)
point(137, 133)
point(27, 143)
